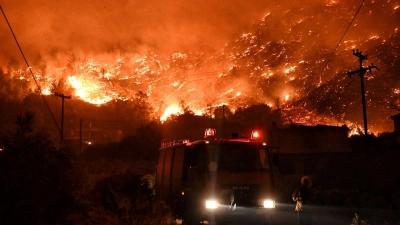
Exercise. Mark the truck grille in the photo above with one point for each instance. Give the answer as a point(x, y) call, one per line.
point(243, 195)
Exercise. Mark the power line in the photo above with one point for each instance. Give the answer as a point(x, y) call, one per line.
point(33, 76)
point(117, 121)
point(345, 32)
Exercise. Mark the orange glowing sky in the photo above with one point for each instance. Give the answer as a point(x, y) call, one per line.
point(92, 27)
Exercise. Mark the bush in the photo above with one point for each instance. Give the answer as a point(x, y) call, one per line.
point(123, 198)
point(35, 177)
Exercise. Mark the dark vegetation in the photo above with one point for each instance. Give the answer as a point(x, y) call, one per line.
point(42, 184)
point(37, 180)
point(113, 183)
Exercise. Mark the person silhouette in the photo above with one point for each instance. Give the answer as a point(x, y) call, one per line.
point(303, 198)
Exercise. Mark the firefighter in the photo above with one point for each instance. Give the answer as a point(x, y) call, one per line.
point(303, 198)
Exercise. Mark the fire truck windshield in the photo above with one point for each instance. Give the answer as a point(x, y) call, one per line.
point(236, 156)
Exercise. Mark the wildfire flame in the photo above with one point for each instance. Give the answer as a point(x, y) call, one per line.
point(171, 110)
point(89, 91)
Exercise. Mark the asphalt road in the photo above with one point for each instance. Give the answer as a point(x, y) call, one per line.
point(324, 215)
point(286, 215)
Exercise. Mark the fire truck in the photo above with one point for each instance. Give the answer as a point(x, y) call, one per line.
point(217, 180)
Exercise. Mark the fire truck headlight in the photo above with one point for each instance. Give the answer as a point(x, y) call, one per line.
point(212, 204)
point(269, 203)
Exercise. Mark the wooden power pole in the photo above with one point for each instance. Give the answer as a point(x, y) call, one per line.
point(361, 72)
point(62, 96)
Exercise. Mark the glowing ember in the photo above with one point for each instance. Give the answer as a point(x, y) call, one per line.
point(287, 97)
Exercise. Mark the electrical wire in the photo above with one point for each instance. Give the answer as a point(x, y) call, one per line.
point(344, 34)
point(33, 76)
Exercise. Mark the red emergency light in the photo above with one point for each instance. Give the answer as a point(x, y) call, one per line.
point(210, 132)
point(255, 134)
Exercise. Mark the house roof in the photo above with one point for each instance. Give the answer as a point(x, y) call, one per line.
point(397, 116)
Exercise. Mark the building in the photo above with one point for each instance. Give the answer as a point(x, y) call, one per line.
point(391, 141)
point(299, 149)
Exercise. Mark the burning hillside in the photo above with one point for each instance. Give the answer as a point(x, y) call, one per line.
point(287, 60)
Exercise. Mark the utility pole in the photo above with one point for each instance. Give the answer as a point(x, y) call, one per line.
point(80, 135)
point(223, 115)
point(361, 72)
point(62, 96)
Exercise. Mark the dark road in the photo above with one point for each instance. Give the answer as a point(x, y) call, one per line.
point(286, 215)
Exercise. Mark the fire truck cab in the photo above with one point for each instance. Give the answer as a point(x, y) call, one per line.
point(216, 179)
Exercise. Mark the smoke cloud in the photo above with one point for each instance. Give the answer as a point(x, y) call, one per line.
point(89, 27)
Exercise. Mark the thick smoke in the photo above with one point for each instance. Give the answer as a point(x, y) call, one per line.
point(50, 28)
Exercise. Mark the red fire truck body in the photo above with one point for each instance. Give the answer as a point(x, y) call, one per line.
point(216, 179)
